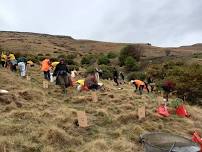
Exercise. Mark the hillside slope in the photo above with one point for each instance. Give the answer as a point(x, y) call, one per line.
point(39, 120)
point(33, 43)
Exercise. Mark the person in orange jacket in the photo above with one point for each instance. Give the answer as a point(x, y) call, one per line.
point(45, 67)
point(139, 85)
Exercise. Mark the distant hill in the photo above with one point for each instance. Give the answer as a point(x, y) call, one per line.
point(34, 43)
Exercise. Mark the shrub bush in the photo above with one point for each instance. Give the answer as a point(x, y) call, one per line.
point(107, 71)
point(47, 54)
point(88, 59)
point(72, 67)
point(71, 56)
point(90, 70)
point(111, 55)
point(136, 75)
point(103, 59)
point(69, 59)
point(39, 54)
point(131, 64)
point(134, 51)
point(61, 56)
point(186, 77)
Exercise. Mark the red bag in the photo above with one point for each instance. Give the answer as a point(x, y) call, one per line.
point(181, 111)
point(162, 110)
point(197, 139)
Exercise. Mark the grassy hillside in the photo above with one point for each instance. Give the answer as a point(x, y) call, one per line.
point(39, 120)
point(33, 119)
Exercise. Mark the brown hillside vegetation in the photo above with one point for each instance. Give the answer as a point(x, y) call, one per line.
point(33, 119)
point(33, 43)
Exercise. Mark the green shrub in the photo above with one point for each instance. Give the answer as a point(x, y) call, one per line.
point(134, 51)
point(70, 62)
point(39, 54)
point(69, 59)
point(186, 77)
point(88, 59)
point(136, 75)
point(103, 59)
point(90, 70)
point(71, 56)
point(61, 56)
point(131, 64)
point(72, 67)
point(197, 55)
point(107, 71)
point(111, 55)
point(38, 58)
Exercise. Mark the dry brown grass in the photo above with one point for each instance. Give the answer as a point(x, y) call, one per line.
point(39, 120)
point(46, 119)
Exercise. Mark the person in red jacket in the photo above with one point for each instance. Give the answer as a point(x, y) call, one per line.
point(139, 85)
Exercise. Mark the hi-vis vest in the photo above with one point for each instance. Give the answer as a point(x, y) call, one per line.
point(45, 65)
point(11, 57)
point(139, 83)
point(3, 57)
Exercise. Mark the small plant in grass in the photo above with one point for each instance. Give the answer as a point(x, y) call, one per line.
point(176, 102)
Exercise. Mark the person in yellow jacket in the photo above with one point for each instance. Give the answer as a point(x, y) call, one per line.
point(11, 56)
point(54, 64)
point(11, 61)
point(3, 59)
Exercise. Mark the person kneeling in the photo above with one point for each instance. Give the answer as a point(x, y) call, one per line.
point(91, 83)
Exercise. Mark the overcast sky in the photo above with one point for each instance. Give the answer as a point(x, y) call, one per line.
point(160, 22)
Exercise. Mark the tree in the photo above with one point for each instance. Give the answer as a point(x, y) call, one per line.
point(135, 51)
point(131, 64)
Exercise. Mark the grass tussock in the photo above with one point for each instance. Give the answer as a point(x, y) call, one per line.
point(45, 121)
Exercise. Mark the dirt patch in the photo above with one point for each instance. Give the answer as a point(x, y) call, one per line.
point(26, 95)
point(6, 99)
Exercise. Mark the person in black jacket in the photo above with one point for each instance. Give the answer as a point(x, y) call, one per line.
point(62, 74)
point(115, 76)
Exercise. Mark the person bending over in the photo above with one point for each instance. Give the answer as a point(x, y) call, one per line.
point(140, 85)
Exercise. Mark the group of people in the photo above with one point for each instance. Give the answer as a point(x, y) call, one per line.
point(65, 77)
point(8, 60)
